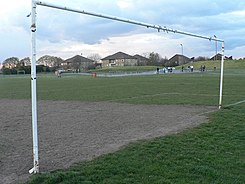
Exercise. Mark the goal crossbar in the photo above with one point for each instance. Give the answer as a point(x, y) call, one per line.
point(157, 27)
point(35, 169)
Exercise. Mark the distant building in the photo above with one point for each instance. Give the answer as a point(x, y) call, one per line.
point(216, 57)
point(141, 60)
point(177, 60)
point(228, 58)
point(219, 57)
point(119, 59)
point(77, 63)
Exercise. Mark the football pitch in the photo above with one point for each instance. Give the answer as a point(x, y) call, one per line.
point(193, 88)
point(158, 103)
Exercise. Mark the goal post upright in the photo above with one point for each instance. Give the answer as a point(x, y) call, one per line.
point(35, 168)
point(221, 74)
point(34, 4)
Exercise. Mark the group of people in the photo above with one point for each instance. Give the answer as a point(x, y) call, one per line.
point(191, 68)
point(203, 68)
point(58, 73)
point(165, 70)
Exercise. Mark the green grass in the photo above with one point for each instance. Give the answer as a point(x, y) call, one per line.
point(118, 69)
point(201, 89)
point(228, 64)
point(210, 153)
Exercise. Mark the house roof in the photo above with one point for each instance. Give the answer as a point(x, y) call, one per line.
point(216, 56)
point(118, 55)
point(77, 58)
point(142, 58)
point(178, 56)
point(219, 56)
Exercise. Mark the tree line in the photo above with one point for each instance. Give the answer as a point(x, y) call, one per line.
point(14, 65)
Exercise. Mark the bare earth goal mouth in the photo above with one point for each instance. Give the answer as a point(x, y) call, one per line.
point(70, 132)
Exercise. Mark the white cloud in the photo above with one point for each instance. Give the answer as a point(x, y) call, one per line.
point(161, 43)
point(15, 42)
point(11, 6)
point(237, 52)
point(124, 4)
point(63, 33)
point(240, 13)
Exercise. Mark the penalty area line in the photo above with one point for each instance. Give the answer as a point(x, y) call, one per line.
point(233, 104)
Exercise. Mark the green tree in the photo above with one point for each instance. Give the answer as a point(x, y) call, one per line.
point(154, 59)
point(11, 60)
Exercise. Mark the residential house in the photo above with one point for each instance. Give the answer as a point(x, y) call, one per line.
point(77, 63)
point(216, 57)
point(141, 60)
point(177, 60)
point(219, 56)
point(119, 59)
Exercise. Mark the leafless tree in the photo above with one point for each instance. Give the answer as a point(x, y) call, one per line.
point(95, 57)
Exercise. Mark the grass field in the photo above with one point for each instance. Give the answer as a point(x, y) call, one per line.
point(202, 89)
point(125, 69)
point(211, 153)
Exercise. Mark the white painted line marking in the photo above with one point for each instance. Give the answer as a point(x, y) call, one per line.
point(235, 103)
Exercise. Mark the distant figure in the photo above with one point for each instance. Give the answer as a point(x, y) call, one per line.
point(191, 67)
point(169, 69)
point(215, 68)
point(204, 67)
point(58, 73)
point(164, 70)
point(157, 70)
point(182, 68)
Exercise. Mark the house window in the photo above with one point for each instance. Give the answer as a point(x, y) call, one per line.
point(111, 60)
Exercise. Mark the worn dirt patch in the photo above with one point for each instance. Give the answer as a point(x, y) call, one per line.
point(70, 132)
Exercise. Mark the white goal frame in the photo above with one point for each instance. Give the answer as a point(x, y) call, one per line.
point(35, 169)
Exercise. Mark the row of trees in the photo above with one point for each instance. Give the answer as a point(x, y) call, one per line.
point(50, 63)
point(26, 70)
point(157, 60)
point(14, 65)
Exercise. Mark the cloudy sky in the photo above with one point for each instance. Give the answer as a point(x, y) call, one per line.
point(66, 34)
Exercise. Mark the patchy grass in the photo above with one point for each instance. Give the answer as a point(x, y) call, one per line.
point(188, 88)
point(192, 88)
point(228, 65)
point(211, 153)
point(120, 69)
